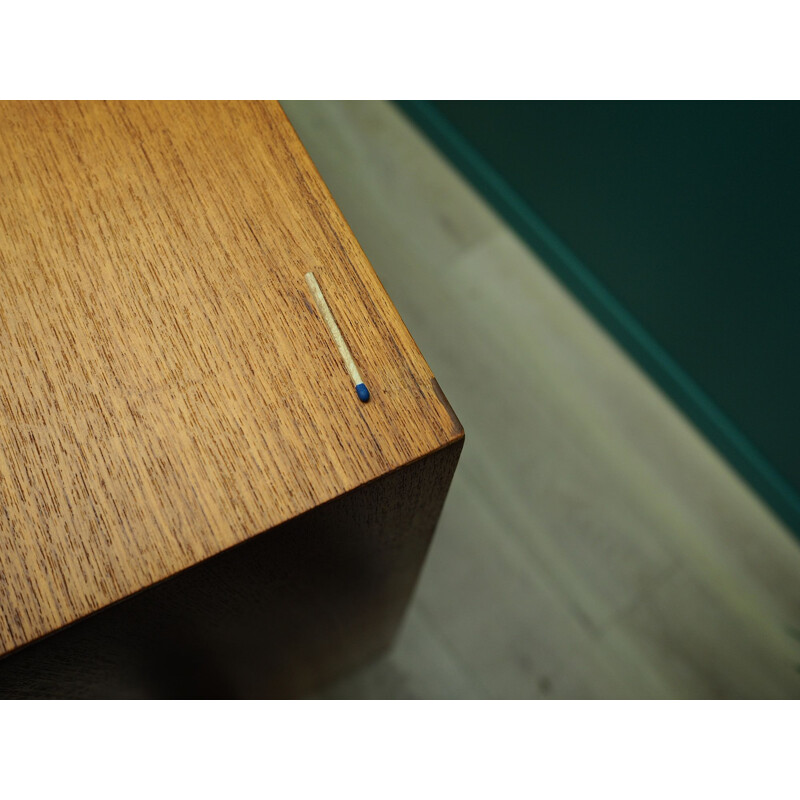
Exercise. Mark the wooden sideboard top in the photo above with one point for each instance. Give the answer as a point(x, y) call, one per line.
point(167, 386)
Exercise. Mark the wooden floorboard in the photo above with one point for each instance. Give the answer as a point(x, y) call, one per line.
point(593, 544)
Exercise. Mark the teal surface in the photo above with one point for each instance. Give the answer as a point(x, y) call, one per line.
point(678, 226)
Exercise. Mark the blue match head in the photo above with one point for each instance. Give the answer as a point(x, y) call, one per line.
point(362, 392)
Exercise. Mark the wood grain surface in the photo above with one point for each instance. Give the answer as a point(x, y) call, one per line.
point(167, 388)
point(278, 616)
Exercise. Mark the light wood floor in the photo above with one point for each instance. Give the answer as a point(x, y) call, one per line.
point(593, 544)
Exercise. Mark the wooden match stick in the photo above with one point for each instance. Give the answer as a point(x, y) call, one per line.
point(344, 350)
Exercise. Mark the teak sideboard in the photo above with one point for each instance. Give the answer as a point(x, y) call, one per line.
point(194, 502)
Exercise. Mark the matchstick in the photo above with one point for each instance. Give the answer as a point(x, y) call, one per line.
point(347, 357)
